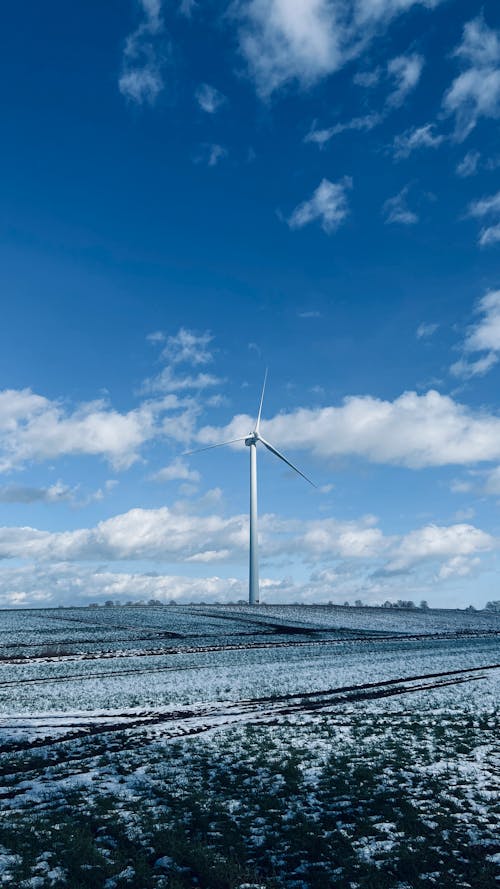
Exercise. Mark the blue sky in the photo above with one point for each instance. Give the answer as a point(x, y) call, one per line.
point(195, 191)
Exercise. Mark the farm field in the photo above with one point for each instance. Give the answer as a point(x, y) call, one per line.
point(222, 746)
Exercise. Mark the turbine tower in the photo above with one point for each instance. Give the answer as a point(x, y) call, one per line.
point(251, 440)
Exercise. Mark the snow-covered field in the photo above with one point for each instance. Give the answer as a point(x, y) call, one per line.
point(294, 746)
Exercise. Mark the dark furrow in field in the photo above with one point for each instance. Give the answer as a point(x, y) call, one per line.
point(117, 674)
point(250, 710)
point(286, 697)
point(273, 625)
point(382, 683)
point(244, 646)
point(68, 677)
point(104, 625)
point(149, 637)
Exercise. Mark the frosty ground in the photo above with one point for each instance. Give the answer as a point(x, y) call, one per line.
point(314, 746)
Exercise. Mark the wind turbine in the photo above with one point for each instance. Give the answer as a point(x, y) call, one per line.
point(251, 440)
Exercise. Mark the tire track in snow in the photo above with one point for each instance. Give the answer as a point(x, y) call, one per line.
point(180, 723)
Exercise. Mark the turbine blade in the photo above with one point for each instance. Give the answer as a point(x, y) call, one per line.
point(221, 444)
point(257, 425)
point(281, 457)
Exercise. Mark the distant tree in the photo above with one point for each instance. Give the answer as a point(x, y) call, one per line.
point(154, 602)
point(470, 608)
point(424, 605)
point(347, 604)
point(493, 606)
point(109, 603)
point(358, 603)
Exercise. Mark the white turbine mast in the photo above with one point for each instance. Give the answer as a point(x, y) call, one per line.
point(251, 440)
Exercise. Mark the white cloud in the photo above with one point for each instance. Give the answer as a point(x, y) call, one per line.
point(66, 584)
point(492, 482)
point(210, 153)
point(413, 430)
point(181, 427)
point(478, 483)
point(157, 336)
point(55, 569)
point(406, 71)
point(492, 163)
point(458, 566)
point(209, 98)
point(480, 45)
point(461, 486)
point(487, 208)
point(211, 555)
point(469, 164)
point(156, 534)
point(176, 535)
point(478, 368)
point(486, 333)
point(368, 79)
point(490, 235)
point(365, 123)
point(216, 153)
point(152, 11)
point(144, 57)
point(452, 545)
point(34, 428)
point(425, 330)
point(56, 493)
point(185, 347)
point(168, 381)
point(396, 209)
point(285, 41)
point(483, 336)
point(475, 93)
point(414, 139)
point(178, 470)
point(328, 205)
point(463, 515)
point(141, 85)
point(188, 347)
point(187, 7)
point(216, 400)
point(305, 40)
point(346, 540)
